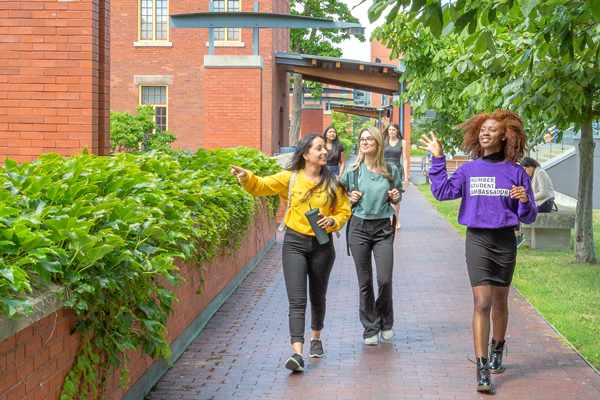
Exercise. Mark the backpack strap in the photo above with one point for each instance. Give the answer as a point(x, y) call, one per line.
point(289, 197)
point(354, 180)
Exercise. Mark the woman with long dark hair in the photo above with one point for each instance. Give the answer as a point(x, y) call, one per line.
point(374, 186)
point(336, 158)
point(313, 186)
point(396, 152)
point(496, 194)
point(543, 190)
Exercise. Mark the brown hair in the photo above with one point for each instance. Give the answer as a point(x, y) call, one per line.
point(386, 135)
point(512, 127)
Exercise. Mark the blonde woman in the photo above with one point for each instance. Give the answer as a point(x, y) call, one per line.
point(374, 186)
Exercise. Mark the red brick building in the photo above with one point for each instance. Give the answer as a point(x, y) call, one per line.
point(230, 99)
point(54, 77)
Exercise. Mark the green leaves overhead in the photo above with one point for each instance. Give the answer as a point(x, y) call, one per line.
point(106, 228)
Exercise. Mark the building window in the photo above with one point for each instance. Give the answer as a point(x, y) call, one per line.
point(157, 97)
point(227, 34)
point(153, 19)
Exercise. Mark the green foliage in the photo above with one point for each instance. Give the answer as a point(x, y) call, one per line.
point(417, 152)
point(133, 133)
point(539, 58)
point(320, 42)
point(343, 124)
point(108, 229)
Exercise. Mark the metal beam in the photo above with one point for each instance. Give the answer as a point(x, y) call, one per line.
point(245, 19)
point(370, 112)
point(379, 83)
point(329, 98)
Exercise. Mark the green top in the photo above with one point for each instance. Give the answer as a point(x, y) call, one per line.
point(374, 203)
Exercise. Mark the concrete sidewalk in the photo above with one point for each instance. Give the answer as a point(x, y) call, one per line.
point(241, 351)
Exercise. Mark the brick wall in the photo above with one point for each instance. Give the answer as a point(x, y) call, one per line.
point(188, 102)
point(54, 66)
point(232, 112)
point(35, 361)
point(312, 120)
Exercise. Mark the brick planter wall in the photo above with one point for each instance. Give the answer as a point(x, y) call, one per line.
point(36, 358)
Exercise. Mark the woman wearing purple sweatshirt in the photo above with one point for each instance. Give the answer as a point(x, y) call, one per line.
point(496, 194)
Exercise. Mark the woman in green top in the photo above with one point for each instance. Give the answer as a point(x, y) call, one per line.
point(374, 186)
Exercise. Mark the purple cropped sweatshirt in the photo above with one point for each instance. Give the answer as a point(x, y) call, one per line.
point(485, 191)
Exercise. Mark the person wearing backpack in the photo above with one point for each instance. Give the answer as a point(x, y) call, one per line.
point(374, 187)
point(306, 184)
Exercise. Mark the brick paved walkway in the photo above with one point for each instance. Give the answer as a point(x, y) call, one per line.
point(240, 354)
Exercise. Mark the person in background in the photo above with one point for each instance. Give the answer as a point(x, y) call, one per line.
point(543, 190)
point(336, 159)
point(495, 195)
point(396, 152)
point(302, 256)
point(374, 186)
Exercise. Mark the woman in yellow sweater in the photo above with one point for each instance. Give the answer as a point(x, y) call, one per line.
point(302, 256)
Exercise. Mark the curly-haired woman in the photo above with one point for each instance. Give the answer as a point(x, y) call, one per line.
point(496, 193)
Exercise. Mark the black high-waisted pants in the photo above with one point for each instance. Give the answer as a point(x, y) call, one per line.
point(375, 237)
point(303, 257)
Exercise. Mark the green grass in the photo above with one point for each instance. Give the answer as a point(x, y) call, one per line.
point(418, 152)
point(566, 294)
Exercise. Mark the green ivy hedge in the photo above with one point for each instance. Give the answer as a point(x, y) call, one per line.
point(105, 228)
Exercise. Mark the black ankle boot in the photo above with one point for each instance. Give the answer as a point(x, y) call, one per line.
point(496, 348)
point(484, 381)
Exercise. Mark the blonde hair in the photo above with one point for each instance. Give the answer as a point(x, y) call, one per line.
point(381, 163)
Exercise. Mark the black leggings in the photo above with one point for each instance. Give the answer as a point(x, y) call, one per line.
point(303, 257)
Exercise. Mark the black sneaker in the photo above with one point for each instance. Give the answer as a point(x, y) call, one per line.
point(520, 239)
point(295, 363)
point(316, 348)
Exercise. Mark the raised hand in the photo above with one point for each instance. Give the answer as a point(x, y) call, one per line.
point(432, 145)
point(239, 173)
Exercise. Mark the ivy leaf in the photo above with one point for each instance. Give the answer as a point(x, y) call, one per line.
point(8, 211)
point(97, 253)
point(9, 164)
point(79, 240)
point(8, 274)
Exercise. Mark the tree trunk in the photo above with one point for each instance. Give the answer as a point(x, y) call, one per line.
point(584, 236)
point(296, 110)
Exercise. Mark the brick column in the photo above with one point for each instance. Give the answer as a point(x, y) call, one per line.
point(312, 119)
point(54, 77)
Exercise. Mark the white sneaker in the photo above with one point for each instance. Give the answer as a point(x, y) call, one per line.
point(387, 335)
point(372, 341)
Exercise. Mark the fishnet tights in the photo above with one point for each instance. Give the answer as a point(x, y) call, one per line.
point(489, 298)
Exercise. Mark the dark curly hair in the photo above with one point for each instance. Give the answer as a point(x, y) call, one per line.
point(512, 126)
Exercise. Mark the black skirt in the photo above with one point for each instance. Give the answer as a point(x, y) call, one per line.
point(491, 256)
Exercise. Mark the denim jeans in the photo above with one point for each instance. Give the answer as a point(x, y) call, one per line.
point(334, 168)
point(368, 238)
point(303, 257)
